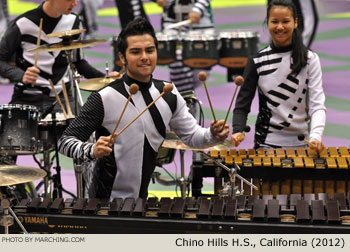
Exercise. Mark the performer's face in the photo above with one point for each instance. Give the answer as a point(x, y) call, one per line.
point(63, 6)
point(140, 57)
point(281, 25)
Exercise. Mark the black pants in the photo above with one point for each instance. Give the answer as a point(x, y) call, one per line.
point(126, 11)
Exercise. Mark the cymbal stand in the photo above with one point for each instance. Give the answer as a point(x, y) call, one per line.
point(57, 192)
point(232, 172)
point(75, 78)
point(77, 94)
point(6, 220)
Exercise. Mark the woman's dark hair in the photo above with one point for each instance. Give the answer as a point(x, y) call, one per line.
point(138, 26)
point(299, 50)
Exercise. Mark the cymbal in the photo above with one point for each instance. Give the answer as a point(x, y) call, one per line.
point(96, 83)
point(14, 174)
point(70, 45)
point(172, 141)
point(64, 34)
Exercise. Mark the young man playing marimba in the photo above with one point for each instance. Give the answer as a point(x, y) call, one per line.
point(124, 162)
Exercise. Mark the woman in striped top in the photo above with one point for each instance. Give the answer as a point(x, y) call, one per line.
point(289, 81)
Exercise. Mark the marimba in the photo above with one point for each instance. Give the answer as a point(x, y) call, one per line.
point(245, 214)
point(281, 171)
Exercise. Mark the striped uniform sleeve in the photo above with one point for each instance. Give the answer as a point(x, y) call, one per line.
point(200, 6)
point(73, 142)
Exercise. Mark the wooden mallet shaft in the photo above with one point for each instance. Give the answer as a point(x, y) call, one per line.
point(301, 137)
point(132, 90)
point(239, 82)
point(58, 99)
point(167, 89)
point(202, 76)
point(310, 144)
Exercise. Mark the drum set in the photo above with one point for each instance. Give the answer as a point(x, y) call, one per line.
point(24, 130)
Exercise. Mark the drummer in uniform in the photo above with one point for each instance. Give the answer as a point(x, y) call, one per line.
point(124, 169)
point(200, 15)
point(32, 85)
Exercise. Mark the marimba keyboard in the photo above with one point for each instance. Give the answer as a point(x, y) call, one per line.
point(330, 158)
point(245, 214)
point(304, 170)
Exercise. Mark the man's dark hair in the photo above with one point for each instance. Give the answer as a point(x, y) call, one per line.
point(138, 26)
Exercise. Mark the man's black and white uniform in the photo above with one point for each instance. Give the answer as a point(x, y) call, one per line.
point(284, 99)
point(127, 171)
point(21, 36)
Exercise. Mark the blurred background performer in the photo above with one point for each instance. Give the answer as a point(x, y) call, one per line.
point(4, 16)
point(4, 20)
point(199, 12)
point(89, 17)
point(123, 167)
point(129, 10)
point(289, 80)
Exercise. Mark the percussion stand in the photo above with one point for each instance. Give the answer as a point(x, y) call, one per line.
point(232, 172)
point(48, 178)
point(6, 220)
point(57, 184)
point(182, 180)
point(78, 98)
point(75, 78)
point(53, 185)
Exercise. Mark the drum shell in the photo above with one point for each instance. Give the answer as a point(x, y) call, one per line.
point(18, 130)
point(236, 48)
point(167, 45)
point(200, 52)
point(46, 131)
point(166, 51)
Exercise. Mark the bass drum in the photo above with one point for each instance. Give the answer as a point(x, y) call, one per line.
point(18, 129)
